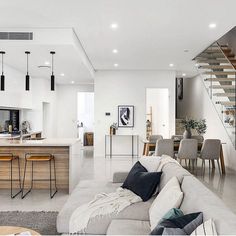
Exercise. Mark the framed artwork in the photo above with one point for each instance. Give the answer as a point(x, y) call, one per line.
point(125, 116)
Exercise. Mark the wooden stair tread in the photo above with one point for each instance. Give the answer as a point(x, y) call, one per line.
point(220, 73)
point(216, 67)
point(223, 87)
point(224, 94)
point(226, 103)
point(220, 79)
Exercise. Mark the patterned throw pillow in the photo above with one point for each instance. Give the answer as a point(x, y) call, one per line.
point(183, 225)
point(207, 228)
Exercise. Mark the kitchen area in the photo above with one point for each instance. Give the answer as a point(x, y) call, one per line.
point(17, 139)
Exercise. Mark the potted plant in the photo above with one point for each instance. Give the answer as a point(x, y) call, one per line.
point(188, 125)
point(113, 128)
point(201, 126)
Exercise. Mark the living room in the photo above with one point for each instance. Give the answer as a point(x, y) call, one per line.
point(95, 95)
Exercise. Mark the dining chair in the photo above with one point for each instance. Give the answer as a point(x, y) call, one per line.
point(164, 146)
point(210, 151)
point(153, 139)
point(199, 138)
point(188, 151)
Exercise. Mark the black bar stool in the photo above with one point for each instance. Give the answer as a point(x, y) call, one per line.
point(9, 157)
point(40, 157)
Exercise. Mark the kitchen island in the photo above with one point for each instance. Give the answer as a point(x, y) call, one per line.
point(67, 158)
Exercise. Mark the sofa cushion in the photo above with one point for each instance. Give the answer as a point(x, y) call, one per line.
point(197, 197)
point(83, 193)
point(128, 227)
point(170, 197)
point(170, 170)
point(142, 182)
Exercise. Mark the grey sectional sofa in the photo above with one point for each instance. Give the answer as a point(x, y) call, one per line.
point(134, 220)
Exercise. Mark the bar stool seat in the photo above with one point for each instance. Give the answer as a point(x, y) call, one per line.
point(40, 157)
point(9, 157)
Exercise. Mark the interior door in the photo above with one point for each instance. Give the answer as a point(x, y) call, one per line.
point(158, 100)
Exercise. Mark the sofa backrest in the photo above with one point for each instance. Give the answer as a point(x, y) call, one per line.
point(170, 170)
point(197, 197)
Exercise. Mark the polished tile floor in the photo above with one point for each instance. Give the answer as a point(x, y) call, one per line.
point(103, 169)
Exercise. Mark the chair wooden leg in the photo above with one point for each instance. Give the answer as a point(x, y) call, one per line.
point(218, 163)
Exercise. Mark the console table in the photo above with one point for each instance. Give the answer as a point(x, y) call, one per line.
point(110, 139)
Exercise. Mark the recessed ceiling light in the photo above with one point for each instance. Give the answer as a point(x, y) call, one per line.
point(72, 81)
point(183, 74)
point(171, 64)
point(62, 74)
point(212, 25)
point(115, 51)
point(47, 63)
point(114, 26)
point(116, 65)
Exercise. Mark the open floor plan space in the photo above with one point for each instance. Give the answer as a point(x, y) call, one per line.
point(117, 117)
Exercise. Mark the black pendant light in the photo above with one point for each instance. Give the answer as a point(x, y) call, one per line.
point(52, 76)
point(27, 77)
point(2, 75)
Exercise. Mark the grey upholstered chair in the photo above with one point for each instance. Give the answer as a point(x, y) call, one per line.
point(211, 151)
point(188, 151)
point(165, 146)
point(153, 139)
point(199, 138)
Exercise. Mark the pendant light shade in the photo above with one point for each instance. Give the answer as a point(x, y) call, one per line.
point(2, 75)
point(52, 76)
point(27, 77)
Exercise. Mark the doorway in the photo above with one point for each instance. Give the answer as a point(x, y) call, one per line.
point(157, 112)
point(85, 117)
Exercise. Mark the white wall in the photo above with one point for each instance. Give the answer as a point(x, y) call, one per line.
point(197, 104)
point(67, 109)
point(128, 88)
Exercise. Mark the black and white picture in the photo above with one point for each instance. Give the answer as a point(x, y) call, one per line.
point(126, 116)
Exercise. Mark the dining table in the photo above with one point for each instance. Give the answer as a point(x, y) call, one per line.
point(152, 145)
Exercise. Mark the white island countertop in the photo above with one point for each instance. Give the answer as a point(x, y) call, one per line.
point(55, 142)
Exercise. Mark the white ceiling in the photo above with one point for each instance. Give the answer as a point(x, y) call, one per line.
point(151, 33)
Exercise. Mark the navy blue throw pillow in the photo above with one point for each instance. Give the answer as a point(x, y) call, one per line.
point(182, 225)
point(142, 182)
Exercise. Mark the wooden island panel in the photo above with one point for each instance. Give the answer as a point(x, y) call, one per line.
point(41, 170)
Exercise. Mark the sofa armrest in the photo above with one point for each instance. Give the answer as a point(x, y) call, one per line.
point(119, 177)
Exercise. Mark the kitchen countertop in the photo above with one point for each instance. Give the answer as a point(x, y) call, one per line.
point(15, 136)
point(57, 142)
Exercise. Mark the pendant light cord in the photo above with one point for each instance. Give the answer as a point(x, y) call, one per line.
point(27, 63)
point(2, 64)
point(52, 64)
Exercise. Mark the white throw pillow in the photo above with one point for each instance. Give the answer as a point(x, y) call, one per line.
point(151, 163)
point(170, 197)
point(207, 228)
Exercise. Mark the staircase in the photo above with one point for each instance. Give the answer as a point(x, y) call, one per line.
point(217, 66)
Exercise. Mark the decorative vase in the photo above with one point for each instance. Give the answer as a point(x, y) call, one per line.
point(187, 134)
point(112, 131)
